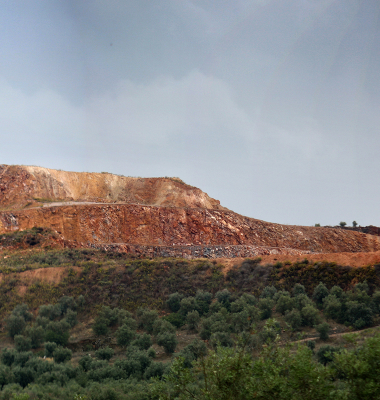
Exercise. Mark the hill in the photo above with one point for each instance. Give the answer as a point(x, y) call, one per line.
point(153, 217)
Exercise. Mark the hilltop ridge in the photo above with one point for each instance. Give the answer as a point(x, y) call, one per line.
point(28, 186)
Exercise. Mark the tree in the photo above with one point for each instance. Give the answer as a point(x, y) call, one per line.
point(125, 335)
point(317, 225)
point(168, 341)
point(192, 320)
point(105, 354)
point(354, 224)
point(22, 343)
point(323, 330)
point(174, 301)
point(342, 224)
point(62, 354)
point(320, 292)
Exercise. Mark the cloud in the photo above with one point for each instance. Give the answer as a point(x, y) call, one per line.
point(195, 105)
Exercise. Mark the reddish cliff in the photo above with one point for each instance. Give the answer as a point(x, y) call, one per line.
point(163, 226)
point(26, 186)
point(170, 215)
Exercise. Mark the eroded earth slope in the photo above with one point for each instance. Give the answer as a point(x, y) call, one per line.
point(153, 217)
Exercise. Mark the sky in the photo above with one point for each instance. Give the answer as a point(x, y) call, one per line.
point(270, 106)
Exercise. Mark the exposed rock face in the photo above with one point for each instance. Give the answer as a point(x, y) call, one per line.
point(163, 226)
point(171, 217)
point(22, 186)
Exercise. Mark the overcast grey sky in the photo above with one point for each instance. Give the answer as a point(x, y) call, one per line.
point(270, 106)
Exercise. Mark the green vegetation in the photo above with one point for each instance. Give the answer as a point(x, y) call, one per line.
point(119, 327)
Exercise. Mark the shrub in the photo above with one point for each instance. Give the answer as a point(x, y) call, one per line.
point(174, 302)
point(323, 330)
point(131, 323)
point(337, 292)
point(203, 300)
point(265, 305)
point(22, 311)
point(221, 339)
point(241, 321)
point(125, 335)
point(193, 351)
point(325, 354)
point(320, 292)
point(22, 343)
point(142, 342)
point(310, 316)
point(168, 341)
point(192, 320)
point(105, 354)
point(285, 303)
point(8, 356)
point(146, 319)
point(294, 319)
point(36, 334)
point(270, 331)
point(15, 325)
point(50, 311)
point(71, 318)
point(50, 348)
point(62, 354)
point(187, 305)
point(332, 307)
point(298, 289)
point(85, 362)
point(155, 370)
point(358, 315)
point(100, 326)
point(311, 345)
point(162, 325)
point(175, 319)
point(67, 303)
point(223, 298)
point(268, 292)
point(58, 332)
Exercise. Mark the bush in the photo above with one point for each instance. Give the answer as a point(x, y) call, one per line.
point(221, 339)
point(67, 303)
point(15, 325)
point(71, 318)
point(22, 343)
point(105, 354)
point(58, 332)
point(285, 303)
point(268, 292)
point(174, 302)
point(223, 298)
point(22, 311)
point(50, 311)
point(187, 305)
point(168, 341)
point(146, 319)
point(358, 315)
point(332, 307)
point(193, 351)
point(298, 289)
point(155, 370)
point(310, 316)
point(62, 354)
point(192, 320)
point(50, 348)
point(266, 305)
point(203, 300)
point(325, 354)
point(125, 335)
point(36, 334)
point(142, 342)
point(8, 356)
point(162, 325)
point(294, 319)
point(100, 326)
point(320, 292)
point(175, 319)
point(311, 345)
point(323, 330)
point(270, 331)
